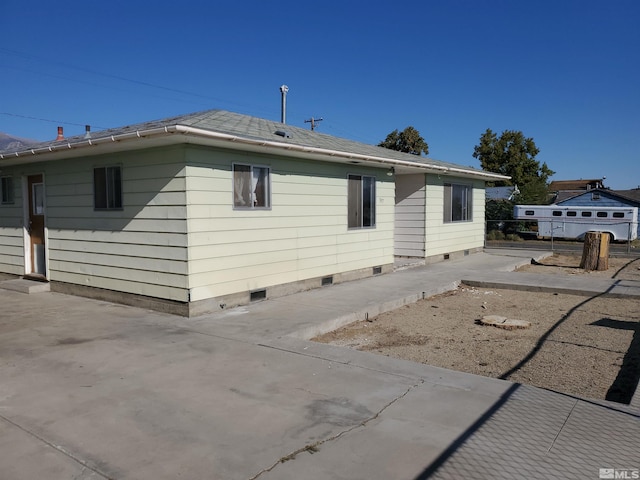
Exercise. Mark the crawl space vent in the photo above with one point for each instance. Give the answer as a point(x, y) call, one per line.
point(258, 295)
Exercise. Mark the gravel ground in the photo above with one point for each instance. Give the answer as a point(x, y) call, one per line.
point(578, 345)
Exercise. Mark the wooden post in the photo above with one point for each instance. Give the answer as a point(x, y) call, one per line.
point(595, 253)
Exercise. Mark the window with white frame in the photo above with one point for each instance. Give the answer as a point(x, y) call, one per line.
point(107, 188)
point(457, 203)
point(251, 186)
point(361, 202)
point(6, 190)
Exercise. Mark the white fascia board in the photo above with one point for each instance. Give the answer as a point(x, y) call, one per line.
point(177, 134)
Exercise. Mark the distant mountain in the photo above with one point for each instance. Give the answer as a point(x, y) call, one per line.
point(9, 142)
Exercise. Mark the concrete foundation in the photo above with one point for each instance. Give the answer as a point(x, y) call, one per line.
point(201, 307)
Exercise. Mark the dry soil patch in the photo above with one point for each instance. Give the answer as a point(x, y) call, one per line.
point(578, 345)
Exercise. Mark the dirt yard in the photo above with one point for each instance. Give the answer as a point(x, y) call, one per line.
point(584, 346)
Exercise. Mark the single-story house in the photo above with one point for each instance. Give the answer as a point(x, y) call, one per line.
point(602, 197)
point(213, 209)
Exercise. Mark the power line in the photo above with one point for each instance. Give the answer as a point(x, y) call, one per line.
point(109, 87)
point(115, 77)
point(103, 74)
point(59, 122)
point(348, 133)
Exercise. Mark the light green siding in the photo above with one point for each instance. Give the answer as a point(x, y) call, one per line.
point(410, 215)
point(303, 235)
point(441, 237)
point(178, 236)
point(140, 249)
point(11, 229)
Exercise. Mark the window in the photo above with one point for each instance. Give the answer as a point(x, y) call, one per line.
point(529, 212)
point(6, 189)
point(601, 214)
point(585, 214)
point(457, 203)
point(37, 199)
point(557, 213)
point(107, 188)
point(251, 186)
point(595, 196)
point(361, 202)
point(571, 213)
point(618, 215)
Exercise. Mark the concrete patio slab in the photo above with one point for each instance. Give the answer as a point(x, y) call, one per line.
point(96, 390)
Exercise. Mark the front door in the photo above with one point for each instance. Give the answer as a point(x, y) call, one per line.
point(36, 224)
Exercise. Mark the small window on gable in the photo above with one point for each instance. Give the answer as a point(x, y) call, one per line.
point(618, 214)
point(457, 203)
point(595, 196)
point(107, 188)
point(251, 186)
point(361, 201)
point(6, 190)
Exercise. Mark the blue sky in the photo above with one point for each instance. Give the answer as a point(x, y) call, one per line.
point(564, 72)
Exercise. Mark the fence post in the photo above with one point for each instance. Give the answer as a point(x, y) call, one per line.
point(486, 231)
point(552, 231)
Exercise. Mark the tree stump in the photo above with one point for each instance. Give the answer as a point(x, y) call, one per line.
point(595, 253)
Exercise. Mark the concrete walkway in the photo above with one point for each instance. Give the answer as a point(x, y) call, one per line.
point(92, 390)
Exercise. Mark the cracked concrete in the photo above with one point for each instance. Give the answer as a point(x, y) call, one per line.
point(313, 448)
point(93, 390)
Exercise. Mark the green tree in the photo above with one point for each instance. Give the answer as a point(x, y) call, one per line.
point(408, 141)
point(514, 155)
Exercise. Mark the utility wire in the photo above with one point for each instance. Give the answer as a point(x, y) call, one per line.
point(331, 125)
point(59, 122)
point(115, 77)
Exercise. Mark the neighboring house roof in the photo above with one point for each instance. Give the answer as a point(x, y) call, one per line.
point(241, 132)
point(633, 194)
point(629, 196)
point(576, 185)
point(565, 195)
point(501, 193)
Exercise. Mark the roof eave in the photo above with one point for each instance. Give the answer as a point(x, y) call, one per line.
point(202, 136)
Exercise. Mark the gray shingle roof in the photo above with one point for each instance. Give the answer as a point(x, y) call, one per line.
point(254, 128)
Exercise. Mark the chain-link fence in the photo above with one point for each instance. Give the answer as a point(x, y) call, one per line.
point(558, 235)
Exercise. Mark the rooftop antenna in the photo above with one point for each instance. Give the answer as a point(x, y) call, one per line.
point(313, 122)
point(283, 111)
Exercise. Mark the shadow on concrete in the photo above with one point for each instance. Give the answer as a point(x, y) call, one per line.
point(458, 442)
point(511, 425)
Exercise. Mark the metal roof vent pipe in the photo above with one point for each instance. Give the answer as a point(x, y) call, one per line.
point(283, 115)
point(60, 134)
point(87, 132)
